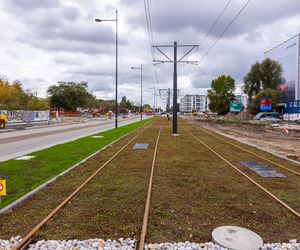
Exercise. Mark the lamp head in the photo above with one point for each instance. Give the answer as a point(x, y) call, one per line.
point(98, 20)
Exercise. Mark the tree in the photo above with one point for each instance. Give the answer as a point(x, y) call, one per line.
point(125, 103)
point(266, 93)
point(107, 105)
point(146, 106)
point(221, 94)
point(69, 95)
point(14, 97)
point(266, 74)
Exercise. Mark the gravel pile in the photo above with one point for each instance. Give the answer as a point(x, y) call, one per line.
point(128, 244)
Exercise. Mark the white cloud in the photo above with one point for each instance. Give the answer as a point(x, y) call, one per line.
point(43, 42)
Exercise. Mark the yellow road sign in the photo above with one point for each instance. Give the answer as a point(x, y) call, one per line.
point(2, 186)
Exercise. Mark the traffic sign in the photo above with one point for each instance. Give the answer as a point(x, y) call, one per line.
point(236, 107)
point(266, 104)
point(2, 186)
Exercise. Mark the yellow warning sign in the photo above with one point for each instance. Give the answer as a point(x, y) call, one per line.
point(2, 186)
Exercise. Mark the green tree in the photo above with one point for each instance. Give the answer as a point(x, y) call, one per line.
point(266, 74)
point(221, 94)
point(146, 106)
point(106, 105)
point(14, 97)
point(123, 103)
point(254, 107)
point(69, 95)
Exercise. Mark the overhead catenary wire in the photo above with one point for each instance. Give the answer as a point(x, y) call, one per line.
point(215, 22)
point(220, 36)
point(204, 38)
point(224, 31)
point(151, 39)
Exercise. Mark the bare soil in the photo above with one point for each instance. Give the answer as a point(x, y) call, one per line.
point(264, 136)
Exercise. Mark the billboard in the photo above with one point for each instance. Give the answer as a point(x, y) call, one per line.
point(265, 104)
point(287, 54)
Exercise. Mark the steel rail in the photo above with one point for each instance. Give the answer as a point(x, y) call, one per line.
point(31, 234)
point(247, 177)
point(149, 192)
point(248, 151)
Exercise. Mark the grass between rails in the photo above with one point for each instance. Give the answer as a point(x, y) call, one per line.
point(193, 192)
point(111, 204)
point(24, 176)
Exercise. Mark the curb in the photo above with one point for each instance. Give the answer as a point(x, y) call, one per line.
point(32, 192)
point(254, 146)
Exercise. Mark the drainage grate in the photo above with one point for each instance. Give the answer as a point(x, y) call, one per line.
point(141, 146)
point(262, 169)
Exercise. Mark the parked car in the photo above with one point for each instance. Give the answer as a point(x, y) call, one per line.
point(270, 119)
point(264, 115)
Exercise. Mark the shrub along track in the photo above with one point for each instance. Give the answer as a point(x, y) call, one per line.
point(193, 192)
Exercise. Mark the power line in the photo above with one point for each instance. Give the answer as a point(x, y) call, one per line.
point(150, 23)
point(215, 22)
point(150, 34)
point(228, 26)
point(151, 39)
point(189, 72)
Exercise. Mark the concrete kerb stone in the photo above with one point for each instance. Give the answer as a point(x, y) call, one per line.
point(32, 192)
point(254, 146)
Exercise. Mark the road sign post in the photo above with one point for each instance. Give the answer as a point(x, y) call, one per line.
point(2, 187)
point(236, 107)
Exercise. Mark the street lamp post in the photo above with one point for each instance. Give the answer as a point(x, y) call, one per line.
point(116, 102)
point(141, 108)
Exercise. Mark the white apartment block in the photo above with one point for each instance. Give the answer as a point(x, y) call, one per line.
point(193, 102)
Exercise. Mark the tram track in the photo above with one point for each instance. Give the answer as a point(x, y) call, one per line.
point(265, 190)
point(248, 151)
point(176, 193)
point(29, 236)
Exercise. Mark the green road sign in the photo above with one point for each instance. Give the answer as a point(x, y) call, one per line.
point(236, 107)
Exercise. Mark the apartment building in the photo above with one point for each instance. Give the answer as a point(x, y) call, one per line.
point(194, 102)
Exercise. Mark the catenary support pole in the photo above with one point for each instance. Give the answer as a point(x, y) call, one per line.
point(141, 92)
point(116, 120)
point(175, 61)
point(175, 90)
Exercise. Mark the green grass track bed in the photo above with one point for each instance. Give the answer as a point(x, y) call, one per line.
point(24, 176)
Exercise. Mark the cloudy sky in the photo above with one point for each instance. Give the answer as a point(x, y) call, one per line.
point(45, 41)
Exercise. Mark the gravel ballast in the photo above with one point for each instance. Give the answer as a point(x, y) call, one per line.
point(128, 244)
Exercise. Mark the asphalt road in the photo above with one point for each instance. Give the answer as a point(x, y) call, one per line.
point(18, 143)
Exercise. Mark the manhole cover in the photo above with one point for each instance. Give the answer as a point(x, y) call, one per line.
point(262, 169)
point(140, 146)
point(236, 238)
point(24, 158)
